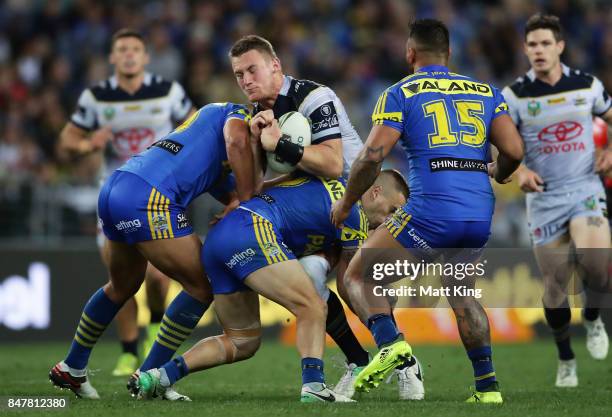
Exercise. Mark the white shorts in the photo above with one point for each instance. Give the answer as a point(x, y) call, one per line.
point(550, 212)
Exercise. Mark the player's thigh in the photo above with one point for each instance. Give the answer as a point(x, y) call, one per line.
point(381, 247)
point(126, 266)
point(590, 232)
point(553, 259)
point(238, 311)
point(178, 258)
point(285, 283)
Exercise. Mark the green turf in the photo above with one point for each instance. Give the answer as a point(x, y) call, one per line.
point(268, 385)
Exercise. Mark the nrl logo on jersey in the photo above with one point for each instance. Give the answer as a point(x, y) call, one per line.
point(160, 223)
point(271, 249)
point(109, 113)
point(533, 108)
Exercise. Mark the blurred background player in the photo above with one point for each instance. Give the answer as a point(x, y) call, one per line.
point(121, 117)
point(553, 106)
point(269, 232)
point(444, 122)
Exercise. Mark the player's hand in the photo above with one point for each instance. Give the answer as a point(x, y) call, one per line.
point(603, 164)
point(339, 213)
point(270, 135)
point(529, 181)
point(100, 138)
point(261, 120)
point(226, 210)
point(492, 171)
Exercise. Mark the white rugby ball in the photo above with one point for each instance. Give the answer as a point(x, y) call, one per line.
point(295, 127)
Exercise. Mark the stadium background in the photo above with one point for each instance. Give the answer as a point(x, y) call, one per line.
point(51, 50)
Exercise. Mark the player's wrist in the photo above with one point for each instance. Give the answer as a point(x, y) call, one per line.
point(288, 151)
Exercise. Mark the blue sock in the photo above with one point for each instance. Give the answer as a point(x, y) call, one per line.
point(312, 370)
point(484, 374)
point(176, 369)
point(97, 314)
point(383, 329)
point(181, 317)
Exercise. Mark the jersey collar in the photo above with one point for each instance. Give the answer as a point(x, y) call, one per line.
point(148, 77)
point(433, 68)
point(282, 92)
point(531, 73)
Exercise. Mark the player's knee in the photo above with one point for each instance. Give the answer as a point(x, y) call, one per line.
point(200, 291)
point(314, 308)
point(240, 344)
point(317, 268)
point(120, 292)
point(247, 348)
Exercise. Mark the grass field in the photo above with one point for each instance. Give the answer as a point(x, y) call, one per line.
point(268, 385)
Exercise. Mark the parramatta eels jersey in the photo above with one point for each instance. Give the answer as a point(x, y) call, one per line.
point(300, 209)
point(328, 118)
point(192, 159)
point(556, 123)
point(137, 120)
point(444, 120)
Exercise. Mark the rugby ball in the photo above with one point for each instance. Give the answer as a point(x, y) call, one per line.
point(295, 127)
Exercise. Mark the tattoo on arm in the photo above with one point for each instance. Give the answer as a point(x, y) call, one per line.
point(364, 172)
point(373, 154)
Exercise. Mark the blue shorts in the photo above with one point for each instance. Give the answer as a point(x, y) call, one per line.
point(427, 235)
point(239, 245)
point(132, 211)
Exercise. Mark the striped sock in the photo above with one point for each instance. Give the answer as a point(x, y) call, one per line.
point(484, 374)
point(97, 314)
point(181, 317)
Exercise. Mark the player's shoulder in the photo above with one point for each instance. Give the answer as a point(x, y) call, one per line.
point(521, 86)
point(154, 86)
point(582, 79)
point(301, 89)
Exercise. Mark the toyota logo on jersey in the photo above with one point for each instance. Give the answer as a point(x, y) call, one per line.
point(131, 141)
point(560, 132)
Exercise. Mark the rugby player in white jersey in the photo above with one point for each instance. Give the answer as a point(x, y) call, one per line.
point(335, 145)
point(122, 116)
point(553, 106)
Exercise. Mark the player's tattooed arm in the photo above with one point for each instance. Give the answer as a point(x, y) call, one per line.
point(365, 169)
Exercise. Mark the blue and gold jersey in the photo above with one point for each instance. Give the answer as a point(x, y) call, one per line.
point(300, 210)
point(444, 120)
point(190, 160)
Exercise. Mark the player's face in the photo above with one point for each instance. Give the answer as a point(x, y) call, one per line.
point(378, 205)
point(543, 50)
point(129, 57)
point(255, 72)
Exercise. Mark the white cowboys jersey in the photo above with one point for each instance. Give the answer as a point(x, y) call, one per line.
point(327, 115)
point(136, 120)
point(556, 123)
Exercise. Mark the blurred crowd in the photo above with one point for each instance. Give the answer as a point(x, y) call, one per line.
point(50, 50)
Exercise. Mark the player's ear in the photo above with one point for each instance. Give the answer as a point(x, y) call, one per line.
point(560, 46)
point(276, 65)
point(410, 56)
point(376, 191)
